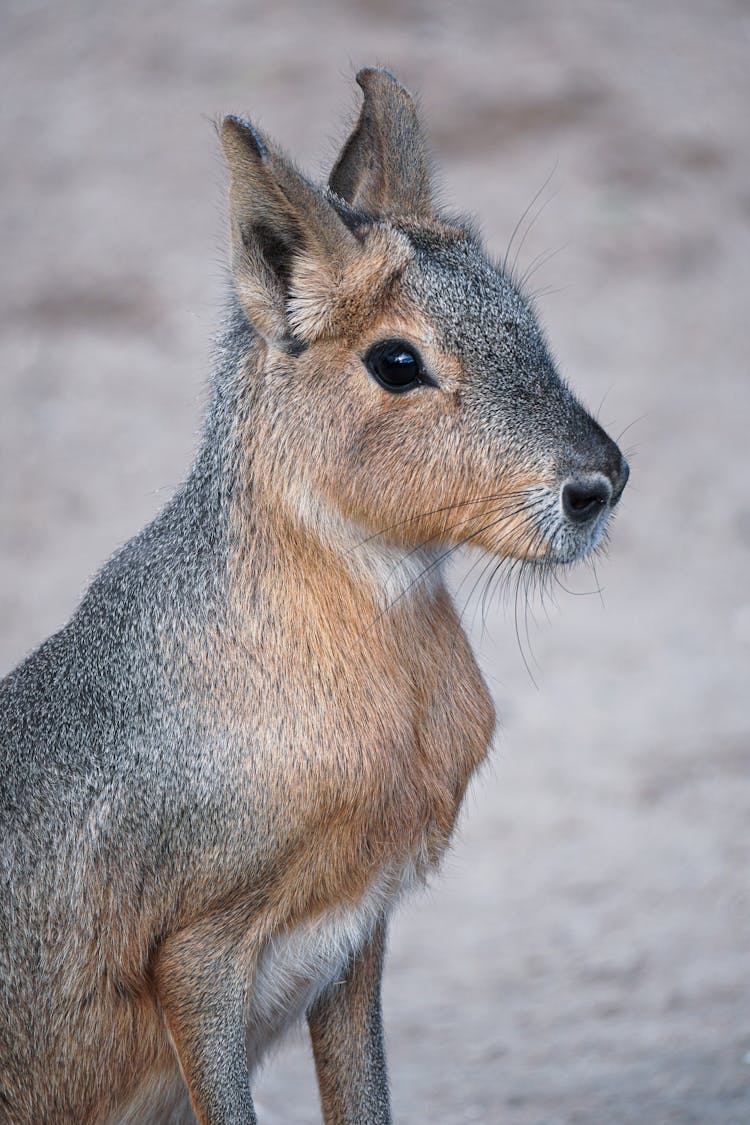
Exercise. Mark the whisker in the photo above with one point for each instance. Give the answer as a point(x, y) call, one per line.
point(525, 213)
point(451, 527)
point(507, 571)
point(599, 587)
point(635, 422)
point(440, 559)
point(545, 291)
point(598, 413)
point(526, 233)
point(538, 262)
point(529, 577)
point(518, 634)
point(437, 511)
point(533, 524)
point(577, 593)
point(487, 562)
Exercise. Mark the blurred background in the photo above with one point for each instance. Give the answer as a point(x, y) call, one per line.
point(585, 956)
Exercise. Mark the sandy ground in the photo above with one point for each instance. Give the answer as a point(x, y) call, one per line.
point(585, 957)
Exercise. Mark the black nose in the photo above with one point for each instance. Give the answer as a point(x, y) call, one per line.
point(583, 499)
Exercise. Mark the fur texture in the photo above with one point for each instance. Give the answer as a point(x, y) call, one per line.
point(258, 727)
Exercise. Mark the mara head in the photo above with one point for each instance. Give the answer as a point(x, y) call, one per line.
point(403, 390)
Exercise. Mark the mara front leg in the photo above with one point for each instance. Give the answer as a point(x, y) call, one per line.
point(346, 1028)
point(201, 980)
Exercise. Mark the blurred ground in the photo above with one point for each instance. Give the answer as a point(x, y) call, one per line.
point(585, 958)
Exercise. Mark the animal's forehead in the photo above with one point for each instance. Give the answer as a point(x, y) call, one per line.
point(475, 308)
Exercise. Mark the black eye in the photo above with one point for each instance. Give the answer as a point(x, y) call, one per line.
point(396, 366)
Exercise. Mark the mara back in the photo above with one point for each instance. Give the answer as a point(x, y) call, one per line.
point(256, 731)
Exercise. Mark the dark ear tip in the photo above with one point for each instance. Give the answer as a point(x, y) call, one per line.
point(370, 77)
point(236, 128)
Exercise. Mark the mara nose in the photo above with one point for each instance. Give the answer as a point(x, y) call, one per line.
point(584, 497)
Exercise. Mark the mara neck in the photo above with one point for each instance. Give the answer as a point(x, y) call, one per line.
point(316, 565)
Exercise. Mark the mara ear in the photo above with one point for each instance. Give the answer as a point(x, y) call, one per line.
point(382, 168)
point(276, 216)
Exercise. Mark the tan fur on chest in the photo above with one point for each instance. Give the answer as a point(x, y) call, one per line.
point(367, 726)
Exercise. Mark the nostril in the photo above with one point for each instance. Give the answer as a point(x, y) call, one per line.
point(583, 500)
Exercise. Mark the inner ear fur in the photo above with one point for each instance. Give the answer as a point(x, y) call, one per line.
point(383, 168)
point(276, 216)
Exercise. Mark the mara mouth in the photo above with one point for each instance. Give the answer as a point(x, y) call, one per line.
point(547, 526)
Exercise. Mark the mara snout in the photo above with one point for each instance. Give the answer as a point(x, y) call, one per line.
point(584, 499)
point(557, 475)
point(589, 494)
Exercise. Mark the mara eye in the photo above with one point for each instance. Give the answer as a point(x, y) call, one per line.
point(396, 366)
